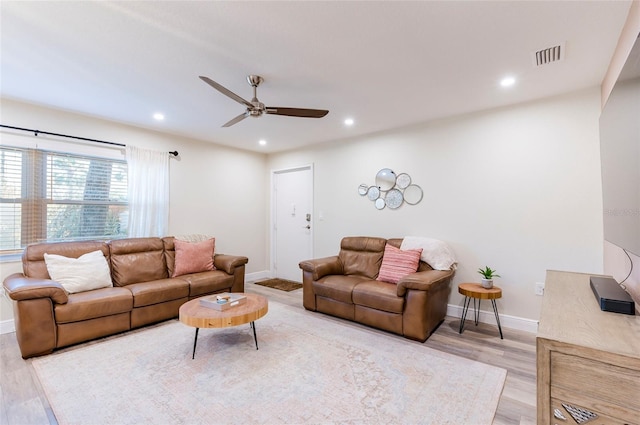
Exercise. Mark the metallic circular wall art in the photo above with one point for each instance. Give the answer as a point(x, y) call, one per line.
point(394, 198)
point(373, 193)
point(413, 194)
point(403, 180)
point(391, 190)
point(385, 179)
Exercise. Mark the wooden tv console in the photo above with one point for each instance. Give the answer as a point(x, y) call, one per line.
point(586, 357)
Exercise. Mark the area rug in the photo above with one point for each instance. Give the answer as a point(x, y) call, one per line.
point(281, 284)
point(309, 369)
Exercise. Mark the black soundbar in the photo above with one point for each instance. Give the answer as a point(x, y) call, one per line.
point(611, 296)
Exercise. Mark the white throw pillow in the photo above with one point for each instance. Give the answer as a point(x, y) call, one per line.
point(194, 237)
point(89, 271)
point(435, 252)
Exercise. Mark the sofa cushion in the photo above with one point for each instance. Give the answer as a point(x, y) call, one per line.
point(397, 263)
point(92, 304)
point(207, 282)
point(137, 260)
point(33, 264)
point(337, 287)
point(158, 291)
point(361, 255)
point(193, 257)
point(87, 272)
point(378, 295)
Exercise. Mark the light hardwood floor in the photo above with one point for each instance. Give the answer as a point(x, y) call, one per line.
point(22, 401)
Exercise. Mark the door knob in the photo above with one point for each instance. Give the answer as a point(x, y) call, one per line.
point(308, 226)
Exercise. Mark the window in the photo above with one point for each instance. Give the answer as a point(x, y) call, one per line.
point(47, 196)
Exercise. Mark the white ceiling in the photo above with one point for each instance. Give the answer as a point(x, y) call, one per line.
point(385, 64)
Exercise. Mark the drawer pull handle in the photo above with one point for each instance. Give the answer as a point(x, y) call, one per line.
point(558, 415)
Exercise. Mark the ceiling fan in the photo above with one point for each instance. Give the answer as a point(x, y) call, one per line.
point(255, 108)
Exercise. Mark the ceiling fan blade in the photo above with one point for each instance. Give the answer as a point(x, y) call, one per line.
point(237, 119)
point(226, 91)
point(296, 112)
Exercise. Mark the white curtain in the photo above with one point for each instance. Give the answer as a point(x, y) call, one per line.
point(148, 192)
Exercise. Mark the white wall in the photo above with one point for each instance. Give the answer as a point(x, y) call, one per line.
point(214, 190)
point(517, 189)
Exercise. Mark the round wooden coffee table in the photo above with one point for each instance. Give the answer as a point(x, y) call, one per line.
point(195, 315)
point(477, 292)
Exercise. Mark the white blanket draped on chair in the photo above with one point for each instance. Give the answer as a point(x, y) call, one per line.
point(435, 252)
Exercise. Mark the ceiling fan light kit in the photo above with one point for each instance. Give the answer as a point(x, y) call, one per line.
point(255, 108)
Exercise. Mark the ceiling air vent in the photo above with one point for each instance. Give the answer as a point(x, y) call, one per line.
point(548, 55)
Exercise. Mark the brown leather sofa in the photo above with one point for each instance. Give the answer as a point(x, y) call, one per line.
point(345, 286)
point(47, 317)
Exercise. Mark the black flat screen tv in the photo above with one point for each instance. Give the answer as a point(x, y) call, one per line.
point(620, 157)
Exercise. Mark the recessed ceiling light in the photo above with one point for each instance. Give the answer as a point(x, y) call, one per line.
point(348, 122)
point(262, 142)
point(158, 116)
point(507, 81)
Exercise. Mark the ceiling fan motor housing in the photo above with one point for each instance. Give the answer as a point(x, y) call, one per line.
point(258, 108)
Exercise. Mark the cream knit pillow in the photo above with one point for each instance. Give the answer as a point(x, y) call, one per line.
point(87, 272)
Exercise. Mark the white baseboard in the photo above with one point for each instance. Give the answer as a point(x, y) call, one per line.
point(256, 276)
point(7, 326)
point(506, 321)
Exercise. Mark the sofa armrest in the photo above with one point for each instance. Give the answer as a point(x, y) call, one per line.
point(320, 267)
point(19, 288)
point(228, 263)
point(424, 281)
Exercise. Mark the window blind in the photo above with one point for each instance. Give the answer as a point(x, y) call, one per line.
point(48, 196)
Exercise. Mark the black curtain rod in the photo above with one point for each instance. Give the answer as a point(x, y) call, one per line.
point(36, 132)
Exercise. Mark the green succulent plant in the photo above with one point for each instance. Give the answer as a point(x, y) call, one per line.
point(488, 273)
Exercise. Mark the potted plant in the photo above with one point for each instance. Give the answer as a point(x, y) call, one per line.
point(487, 276)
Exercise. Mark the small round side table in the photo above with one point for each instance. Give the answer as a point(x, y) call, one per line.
point(477, 292)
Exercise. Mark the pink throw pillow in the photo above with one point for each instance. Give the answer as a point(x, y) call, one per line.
point(193, 257)
point(397, 263)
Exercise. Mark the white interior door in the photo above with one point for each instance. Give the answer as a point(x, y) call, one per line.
point(292, 221)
